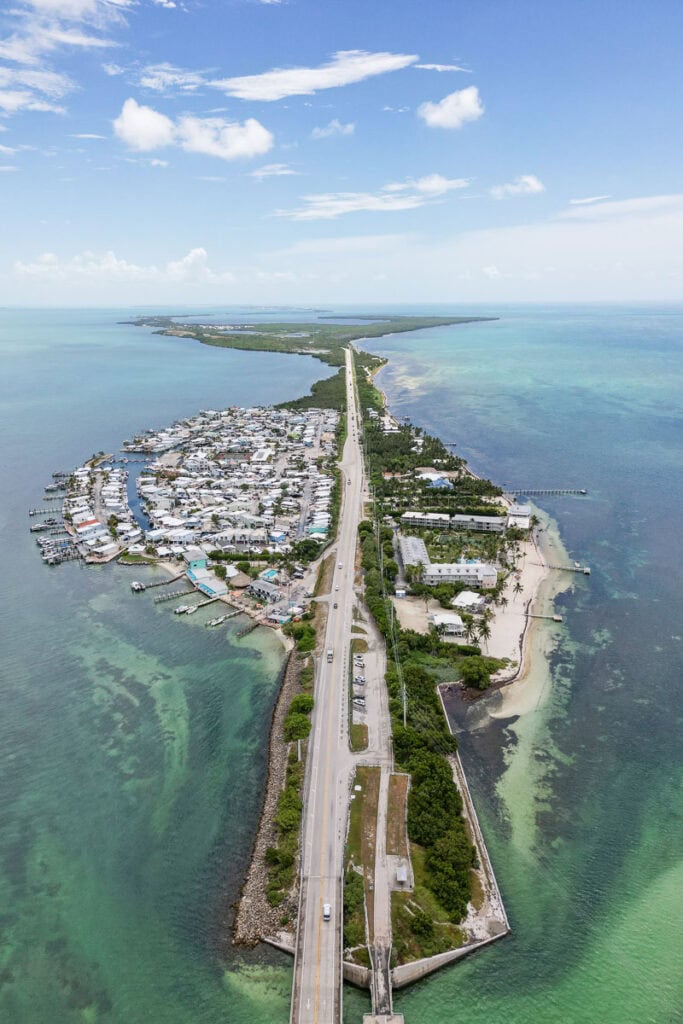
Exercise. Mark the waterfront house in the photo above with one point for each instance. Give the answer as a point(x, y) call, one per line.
point(194, 558)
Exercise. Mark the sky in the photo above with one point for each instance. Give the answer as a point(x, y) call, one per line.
point(307, 151)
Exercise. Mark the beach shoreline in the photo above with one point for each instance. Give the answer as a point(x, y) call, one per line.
point(520, 630)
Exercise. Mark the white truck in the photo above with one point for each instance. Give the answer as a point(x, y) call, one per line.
point(330, 653)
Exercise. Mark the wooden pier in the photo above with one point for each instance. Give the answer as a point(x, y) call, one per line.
point(585, 569)
point(536, 491)
point(163, 583)
point(172, 596)
point(249, 628)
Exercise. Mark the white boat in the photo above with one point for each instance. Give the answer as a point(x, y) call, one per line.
point(217, 621)
point(182, 609)
point(191, 609)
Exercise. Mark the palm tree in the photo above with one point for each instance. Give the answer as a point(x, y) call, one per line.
point(485, 632)
point(518, 588)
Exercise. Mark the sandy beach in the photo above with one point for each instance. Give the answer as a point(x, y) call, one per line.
point(536, 638)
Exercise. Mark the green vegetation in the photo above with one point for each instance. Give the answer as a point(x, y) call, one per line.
point(324, 340)
point(358, 736)
point(396, 816)
point(435, 822)
point(354, 909)
point(420, 924)
point(360, 853)
point(303, 633)
point(281, 858)
point(442, 853)
point(329, 393)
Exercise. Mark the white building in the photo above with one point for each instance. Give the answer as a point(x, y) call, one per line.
point(482, 524)
point(473, 574)
point(413, 551)
point(468, 601)
point(448, 623)
point(519, 516)
point(426, 519)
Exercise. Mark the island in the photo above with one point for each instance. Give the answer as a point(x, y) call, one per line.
point(394, 575)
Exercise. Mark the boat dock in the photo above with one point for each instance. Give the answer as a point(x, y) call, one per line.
point(550, 618)
point(139, 587)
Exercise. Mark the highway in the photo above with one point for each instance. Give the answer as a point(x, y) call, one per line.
point(316, 997)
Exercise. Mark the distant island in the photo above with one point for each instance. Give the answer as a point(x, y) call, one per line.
point(325, 341)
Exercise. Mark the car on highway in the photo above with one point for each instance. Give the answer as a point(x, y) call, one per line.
point(335, 605)
point(340, 565)
point(359, 702)
point(327, 911)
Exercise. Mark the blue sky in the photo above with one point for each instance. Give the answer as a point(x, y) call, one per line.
point(300, 151)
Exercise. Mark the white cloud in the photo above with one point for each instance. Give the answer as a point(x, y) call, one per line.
point(43, 28)
point(8, 150)
point(87, 135)
point(145, 129)
point(112, 69)
point(273, 171)
point(625, 209)
point(523, 185)
point(588, 199)
point(334, 127)
point(393, 197)
point(330, 205)
point(629, 250)
point(164, 77)
point(32, 89)
point(224, 139)
point(38, 37)
point(344, 68)
point(108, 267)
point(6, 168)
point(442, 67)
point(454, 110)
point(437, 185)
point(14, 100)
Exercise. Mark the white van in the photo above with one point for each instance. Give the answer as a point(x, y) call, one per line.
point(327, 911)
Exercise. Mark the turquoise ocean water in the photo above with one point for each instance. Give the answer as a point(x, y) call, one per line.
point(132, 746)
